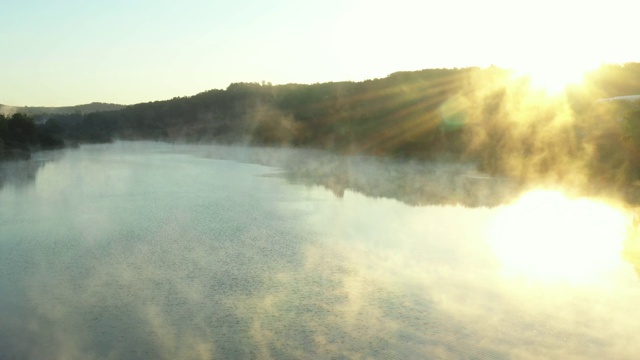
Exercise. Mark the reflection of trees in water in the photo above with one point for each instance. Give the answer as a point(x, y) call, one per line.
point(411, 182)
point(19, 173)
point(423, 183)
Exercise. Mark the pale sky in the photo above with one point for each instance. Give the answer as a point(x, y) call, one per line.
point(70, 52)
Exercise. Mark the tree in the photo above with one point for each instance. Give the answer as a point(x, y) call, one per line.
point(21, 132)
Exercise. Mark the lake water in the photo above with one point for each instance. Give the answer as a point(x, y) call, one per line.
point(151, 250)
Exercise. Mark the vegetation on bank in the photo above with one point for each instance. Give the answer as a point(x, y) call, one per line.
point(19, 135)
point(487, 116)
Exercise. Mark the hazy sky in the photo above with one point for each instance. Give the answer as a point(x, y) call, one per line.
point(72, 52)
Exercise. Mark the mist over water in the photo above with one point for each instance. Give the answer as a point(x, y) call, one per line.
point(150, 250)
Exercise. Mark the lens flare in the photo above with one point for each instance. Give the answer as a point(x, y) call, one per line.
point(549, 237)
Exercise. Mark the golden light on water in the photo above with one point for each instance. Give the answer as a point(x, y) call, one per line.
point(549, 237)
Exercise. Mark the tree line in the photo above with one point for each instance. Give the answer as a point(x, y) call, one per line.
point(468, 114)
point(19, 135)
point(343, 116)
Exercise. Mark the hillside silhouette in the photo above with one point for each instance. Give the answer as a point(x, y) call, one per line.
point(486, 116)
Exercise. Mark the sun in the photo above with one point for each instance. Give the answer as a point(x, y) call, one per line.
point(552, 77)
point(549, 237)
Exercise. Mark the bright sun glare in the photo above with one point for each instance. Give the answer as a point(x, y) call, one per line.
point(553, 78)
point(550, 237)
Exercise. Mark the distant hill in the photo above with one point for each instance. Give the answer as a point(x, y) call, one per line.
point(77, 109)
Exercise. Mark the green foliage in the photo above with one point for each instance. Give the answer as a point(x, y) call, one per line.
point(345, 116)
point(21, 132)
point(19, 135)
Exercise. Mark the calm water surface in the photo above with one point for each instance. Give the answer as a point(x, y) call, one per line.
point(145, 250)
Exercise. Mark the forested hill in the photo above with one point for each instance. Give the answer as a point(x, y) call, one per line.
point(398, 113)
point(488, 116)
point(42, 111)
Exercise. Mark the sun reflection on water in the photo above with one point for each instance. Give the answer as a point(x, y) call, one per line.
point(550, 237)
